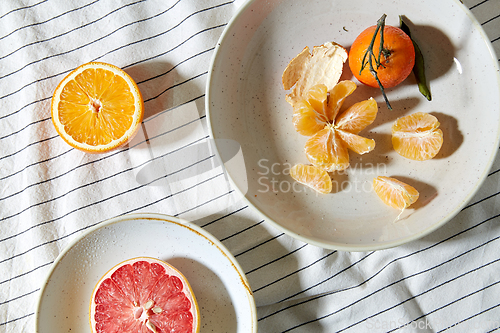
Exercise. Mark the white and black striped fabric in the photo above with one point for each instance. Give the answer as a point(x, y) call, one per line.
point(51, 193)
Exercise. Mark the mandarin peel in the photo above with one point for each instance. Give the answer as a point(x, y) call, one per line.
point(323, 65)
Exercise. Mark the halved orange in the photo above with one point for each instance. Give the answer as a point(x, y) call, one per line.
point(394, 192)
point(97, 107)
point(309, 175)
point(417, 136)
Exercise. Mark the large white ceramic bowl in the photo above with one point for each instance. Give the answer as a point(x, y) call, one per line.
point(221, 289)
point(246, 103)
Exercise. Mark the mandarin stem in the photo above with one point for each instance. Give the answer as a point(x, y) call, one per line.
point(371, 55)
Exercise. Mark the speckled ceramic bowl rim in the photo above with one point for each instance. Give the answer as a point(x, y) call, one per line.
point(163, 218)
point(341, 246)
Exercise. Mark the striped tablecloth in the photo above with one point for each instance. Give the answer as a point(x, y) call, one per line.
point(51, 193)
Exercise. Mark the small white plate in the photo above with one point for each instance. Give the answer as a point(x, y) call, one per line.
point(245, 103)
point(222, 291)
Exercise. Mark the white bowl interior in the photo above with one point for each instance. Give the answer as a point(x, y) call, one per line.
point(222, 292)
point(246, 103)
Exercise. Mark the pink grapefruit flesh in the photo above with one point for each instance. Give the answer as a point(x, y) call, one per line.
point(143, 295)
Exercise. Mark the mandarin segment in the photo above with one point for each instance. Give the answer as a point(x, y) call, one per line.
point(337, 97)
point(309, 114)
point(327, 151)
point(416, 122)
point(330, 137)
point(317, 97)
point(356, 143)
point(417, 136)
point(358, 116)
point(394, 192)
point(309, 175)
point(306, 120)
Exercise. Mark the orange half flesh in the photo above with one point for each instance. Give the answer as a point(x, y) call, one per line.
point(97, 107)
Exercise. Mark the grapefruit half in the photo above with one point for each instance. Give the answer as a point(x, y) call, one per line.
point(143, 295)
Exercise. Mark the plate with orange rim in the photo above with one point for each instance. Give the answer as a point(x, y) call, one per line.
point(221, 289)
point(245, 103)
